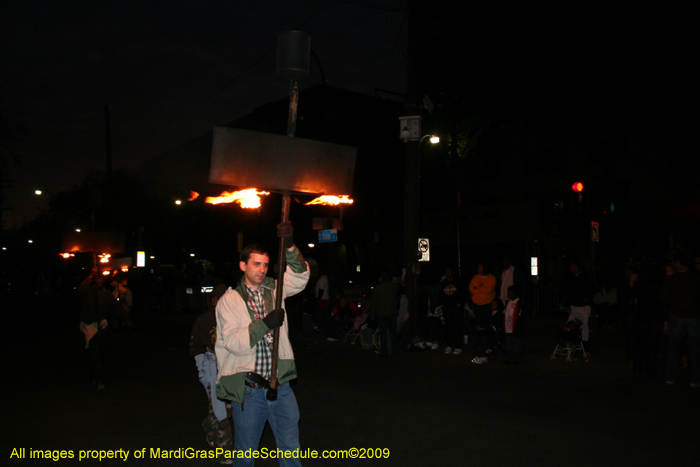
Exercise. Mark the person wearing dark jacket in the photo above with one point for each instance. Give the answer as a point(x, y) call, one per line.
point(648, 319)
point(628, 299)
point(384, 307)
point(216, 425)
point(578, 294)
point(452, 297)
point(681, 294)
point(98, 306)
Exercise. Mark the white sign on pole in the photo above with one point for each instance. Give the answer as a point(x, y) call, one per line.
point(424, 249)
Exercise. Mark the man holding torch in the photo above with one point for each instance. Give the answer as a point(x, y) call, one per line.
point(246, 318)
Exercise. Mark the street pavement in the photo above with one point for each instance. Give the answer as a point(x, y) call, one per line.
point(422, 408)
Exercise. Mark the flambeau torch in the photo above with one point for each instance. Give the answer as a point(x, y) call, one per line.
point(283, 164)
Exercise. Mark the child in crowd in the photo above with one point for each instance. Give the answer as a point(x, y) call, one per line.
point(513, 325)
point(216, 425)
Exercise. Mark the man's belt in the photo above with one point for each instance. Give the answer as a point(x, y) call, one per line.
point(256, 381)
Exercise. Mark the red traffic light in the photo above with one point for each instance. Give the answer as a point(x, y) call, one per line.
point(577, 187)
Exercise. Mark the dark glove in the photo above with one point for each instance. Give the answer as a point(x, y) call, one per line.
point(286, 230)
point(274, 319)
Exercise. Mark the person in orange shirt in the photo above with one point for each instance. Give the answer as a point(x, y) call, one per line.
point(483, 290)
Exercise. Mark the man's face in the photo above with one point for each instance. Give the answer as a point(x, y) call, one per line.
point(255, 269)
point(449, 274)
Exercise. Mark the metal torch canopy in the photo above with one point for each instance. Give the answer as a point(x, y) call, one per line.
point(245, 158)
point(293, 54)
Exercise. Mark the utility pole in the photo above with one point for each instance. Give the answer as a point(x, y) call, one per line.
point(411, 220)
point(3, 184)
point(109, 195)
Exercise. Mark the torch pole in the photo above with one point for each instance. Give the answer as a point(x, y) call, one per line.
point(281, 259)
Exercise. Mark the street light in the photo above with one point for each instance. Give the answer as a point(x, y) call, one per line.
point(41, 192)
point(433, 139)
point(410, 133)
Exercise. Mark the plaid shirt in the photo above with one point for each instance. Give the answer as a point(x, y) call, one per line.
point(263, 349)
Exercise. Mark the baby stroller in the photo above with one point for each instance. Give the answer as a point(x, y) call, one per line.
point(569, 341)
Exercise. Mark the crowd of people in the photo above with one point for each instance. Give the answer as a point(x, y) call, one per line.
point(486, 313)
point(232, 341)
point(651, 302)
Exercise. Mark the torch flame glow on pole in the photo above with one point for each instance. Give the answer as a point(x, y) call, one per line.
point(329, 200)
point(249, 198)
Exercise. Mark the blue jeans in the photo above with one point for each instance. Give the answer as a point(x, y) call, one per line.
point(249, 421)
point(514, 349)
point(481, 339)
point(388, 334)
point(676, 328)
point(206, 364)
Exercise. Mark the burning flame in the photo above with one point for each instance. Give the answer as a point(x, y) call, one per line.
point(246, 198)
point(331, 200)
point(66, 255)
point(193, 196)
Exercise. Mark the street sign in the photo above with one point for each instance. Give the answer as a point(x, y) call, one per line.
point(326, 236)
point(595, 231)
point(424, 249)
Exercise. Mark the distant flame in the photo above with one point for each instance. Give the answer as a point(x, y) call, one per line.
point(193, 196)
point(246, 198)
point(331, 200)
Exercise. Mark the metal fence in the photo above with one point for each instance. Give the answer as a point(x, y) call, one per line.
point(539, 299)
point(542, 298)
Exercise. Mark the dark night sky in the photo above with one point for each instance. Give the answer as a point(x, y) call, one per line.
point(168, 70)
point(550, 72)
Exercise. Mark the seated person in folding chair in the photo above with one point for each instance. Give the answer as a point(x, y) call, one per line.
point(369, 327)
point(341, 318)
point(355, 320)
point(483, 335)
